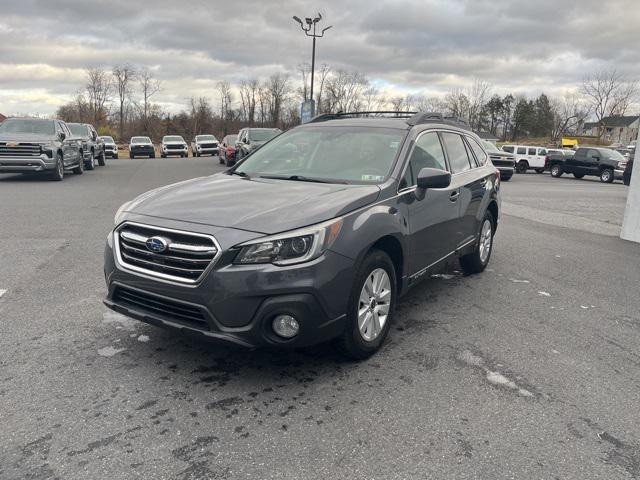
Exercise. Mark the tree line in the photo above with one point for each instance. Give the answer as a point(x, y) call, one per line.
point(120, 102)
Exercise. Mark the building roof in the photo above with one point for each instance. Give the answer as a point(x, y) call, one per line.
point(2, 118)
point(619, 121)
point(589, 125)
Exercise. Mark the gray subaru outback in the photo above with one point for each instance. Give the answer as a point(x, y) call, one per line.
point(311, 238)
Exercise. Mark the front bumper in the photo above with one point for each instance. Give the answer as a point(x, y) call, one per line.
point(208, 151)
point(175, 151)
point(618, 174)
point(237, 303)
point(26, 164)
point(506, 171)
point(142, 151)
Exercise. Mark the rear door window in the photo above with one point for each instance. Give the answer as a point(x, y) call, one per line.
point(522, 151)
point(532, 151)
point(457, 152)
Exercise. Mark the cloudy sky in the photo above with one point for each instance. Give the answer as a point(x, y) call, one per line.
point(412, 46)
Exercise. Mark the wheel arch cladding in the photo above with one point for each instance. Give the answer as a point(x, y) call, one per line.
point(493, 208)
point(392, 247)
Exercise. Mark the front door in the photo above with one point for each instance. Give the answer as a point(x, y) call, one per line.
point(433, 221)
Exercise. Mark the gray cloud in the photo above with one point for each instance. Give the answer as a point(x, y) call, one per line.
point(409, 45)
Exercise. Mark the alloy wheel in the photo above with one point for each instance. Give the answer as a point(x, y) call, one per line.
point(374, 304)
point(486, 238)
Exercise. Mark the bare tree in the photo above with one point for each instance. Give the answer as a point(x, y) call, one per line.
point(226, 99)
point(248, 96)
point(610, 93)
point(345, 91)
point(322, 75)
point(123, 76)
point(429, 104)
point(457, 103)
point(278, 89)
point(149, 86)
point(568, 112)
point(99, 89)
point(372, 99)
point(477, 96)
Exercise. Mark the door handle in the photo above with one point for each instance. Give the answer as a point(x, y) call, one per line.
point(454, 196)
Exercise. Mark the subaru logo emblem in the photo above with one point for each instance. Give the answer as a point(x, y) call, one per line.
point(157, 244)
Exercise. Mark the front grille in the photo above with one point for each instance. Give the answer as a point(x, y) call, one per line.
point(161, 307)
point(109, 147)
point(20, 150)
point(208, 145)
point(501, 162)
point(182, 256)
point(175, 147)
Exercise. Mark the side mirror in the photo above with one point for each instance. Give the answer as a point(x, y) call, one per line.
point(62, 136)
point(431, 178)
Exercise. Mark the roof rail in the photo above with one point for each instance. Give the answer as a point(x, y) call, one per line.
point(435, 117)
point(374, 113)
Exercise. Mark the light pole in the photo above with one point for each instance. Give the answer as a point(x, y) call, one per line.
point(309, 28)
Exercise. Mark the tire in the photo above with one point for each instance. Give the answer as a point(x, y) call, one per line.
point(361, 338)
point(222, 160)
point(92, 163)
point(115, 157)
point(58, 172)
point(578, 175)
point(79, 170)
point(102, 161)
point(539, 170)
point(153, 155)
point(163, 155)
point(132, 156)
point(506, 178)
point(606, 175)
point(522, 166)
point(477, 261)
point(556, 171)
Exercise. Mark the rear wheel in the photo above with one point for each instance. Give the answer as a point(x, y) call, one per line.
point(371, 307)
point(556, 171)
point(477, 261)
point(58, 172)
point(606, 175)
point(522, 167)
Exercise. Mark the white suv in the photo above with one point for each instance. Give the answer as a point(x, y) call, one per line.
point(527, 157)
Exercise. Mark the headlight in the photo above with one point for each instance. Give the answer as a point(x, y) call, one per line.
point(119, 212)
point(622, 165)
point(292, 247)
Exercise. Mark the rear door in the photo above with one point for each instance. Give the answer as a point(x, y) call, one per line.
point(591, 163)
point(434, 220)
point(469, 182)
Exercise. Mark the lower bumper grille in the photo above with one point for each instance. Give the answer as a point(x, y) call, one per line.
point(208, 145)
point(161, 307)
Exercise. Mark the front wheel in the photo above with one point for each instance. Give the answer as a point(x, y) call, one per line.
point(522, 166)
point(606, 175)
point(91, 164)
point(556, 171)
point(58, 172)
point(101, 160)
point(371, 307)
point(477, 261)
point(79, 170)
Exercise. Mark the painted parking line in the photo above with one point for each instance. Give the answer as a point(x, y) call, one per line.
point(2, 292)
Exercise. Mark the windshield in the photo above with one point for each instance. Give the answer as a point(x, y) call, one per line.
point(612, 155)
point(262, 135)
point(342, 154)
point(41, 127)
point(205, 138)
point(173, 138)
point(77, 129)
point(140, 140)
point(490, 147)
point(107, 139)
point(231, 139)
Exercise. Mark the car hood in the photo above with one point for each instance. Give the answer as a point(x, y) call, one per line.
point(257, 205)
point(25, 137)
point(501, 154)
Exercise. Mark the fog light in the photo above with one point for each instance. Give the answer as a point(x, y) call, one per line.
point(285, 326)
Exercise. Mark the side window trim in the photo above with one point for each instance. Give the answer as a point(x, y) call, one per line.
point(410, 154)
point(446, 153)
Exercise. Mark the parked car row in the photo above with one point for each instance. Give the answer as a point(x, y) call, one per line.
point(50, 147)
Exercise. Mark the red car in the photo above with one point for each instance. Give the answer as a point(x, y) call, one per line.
point(227, 153)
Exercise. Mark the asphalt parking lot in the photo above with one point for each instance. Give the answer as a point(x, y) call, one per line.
point(529, 370)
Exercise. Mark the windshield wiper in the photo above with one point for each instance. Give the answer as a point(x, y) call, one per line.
point(240, 174)
point(301, 178)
